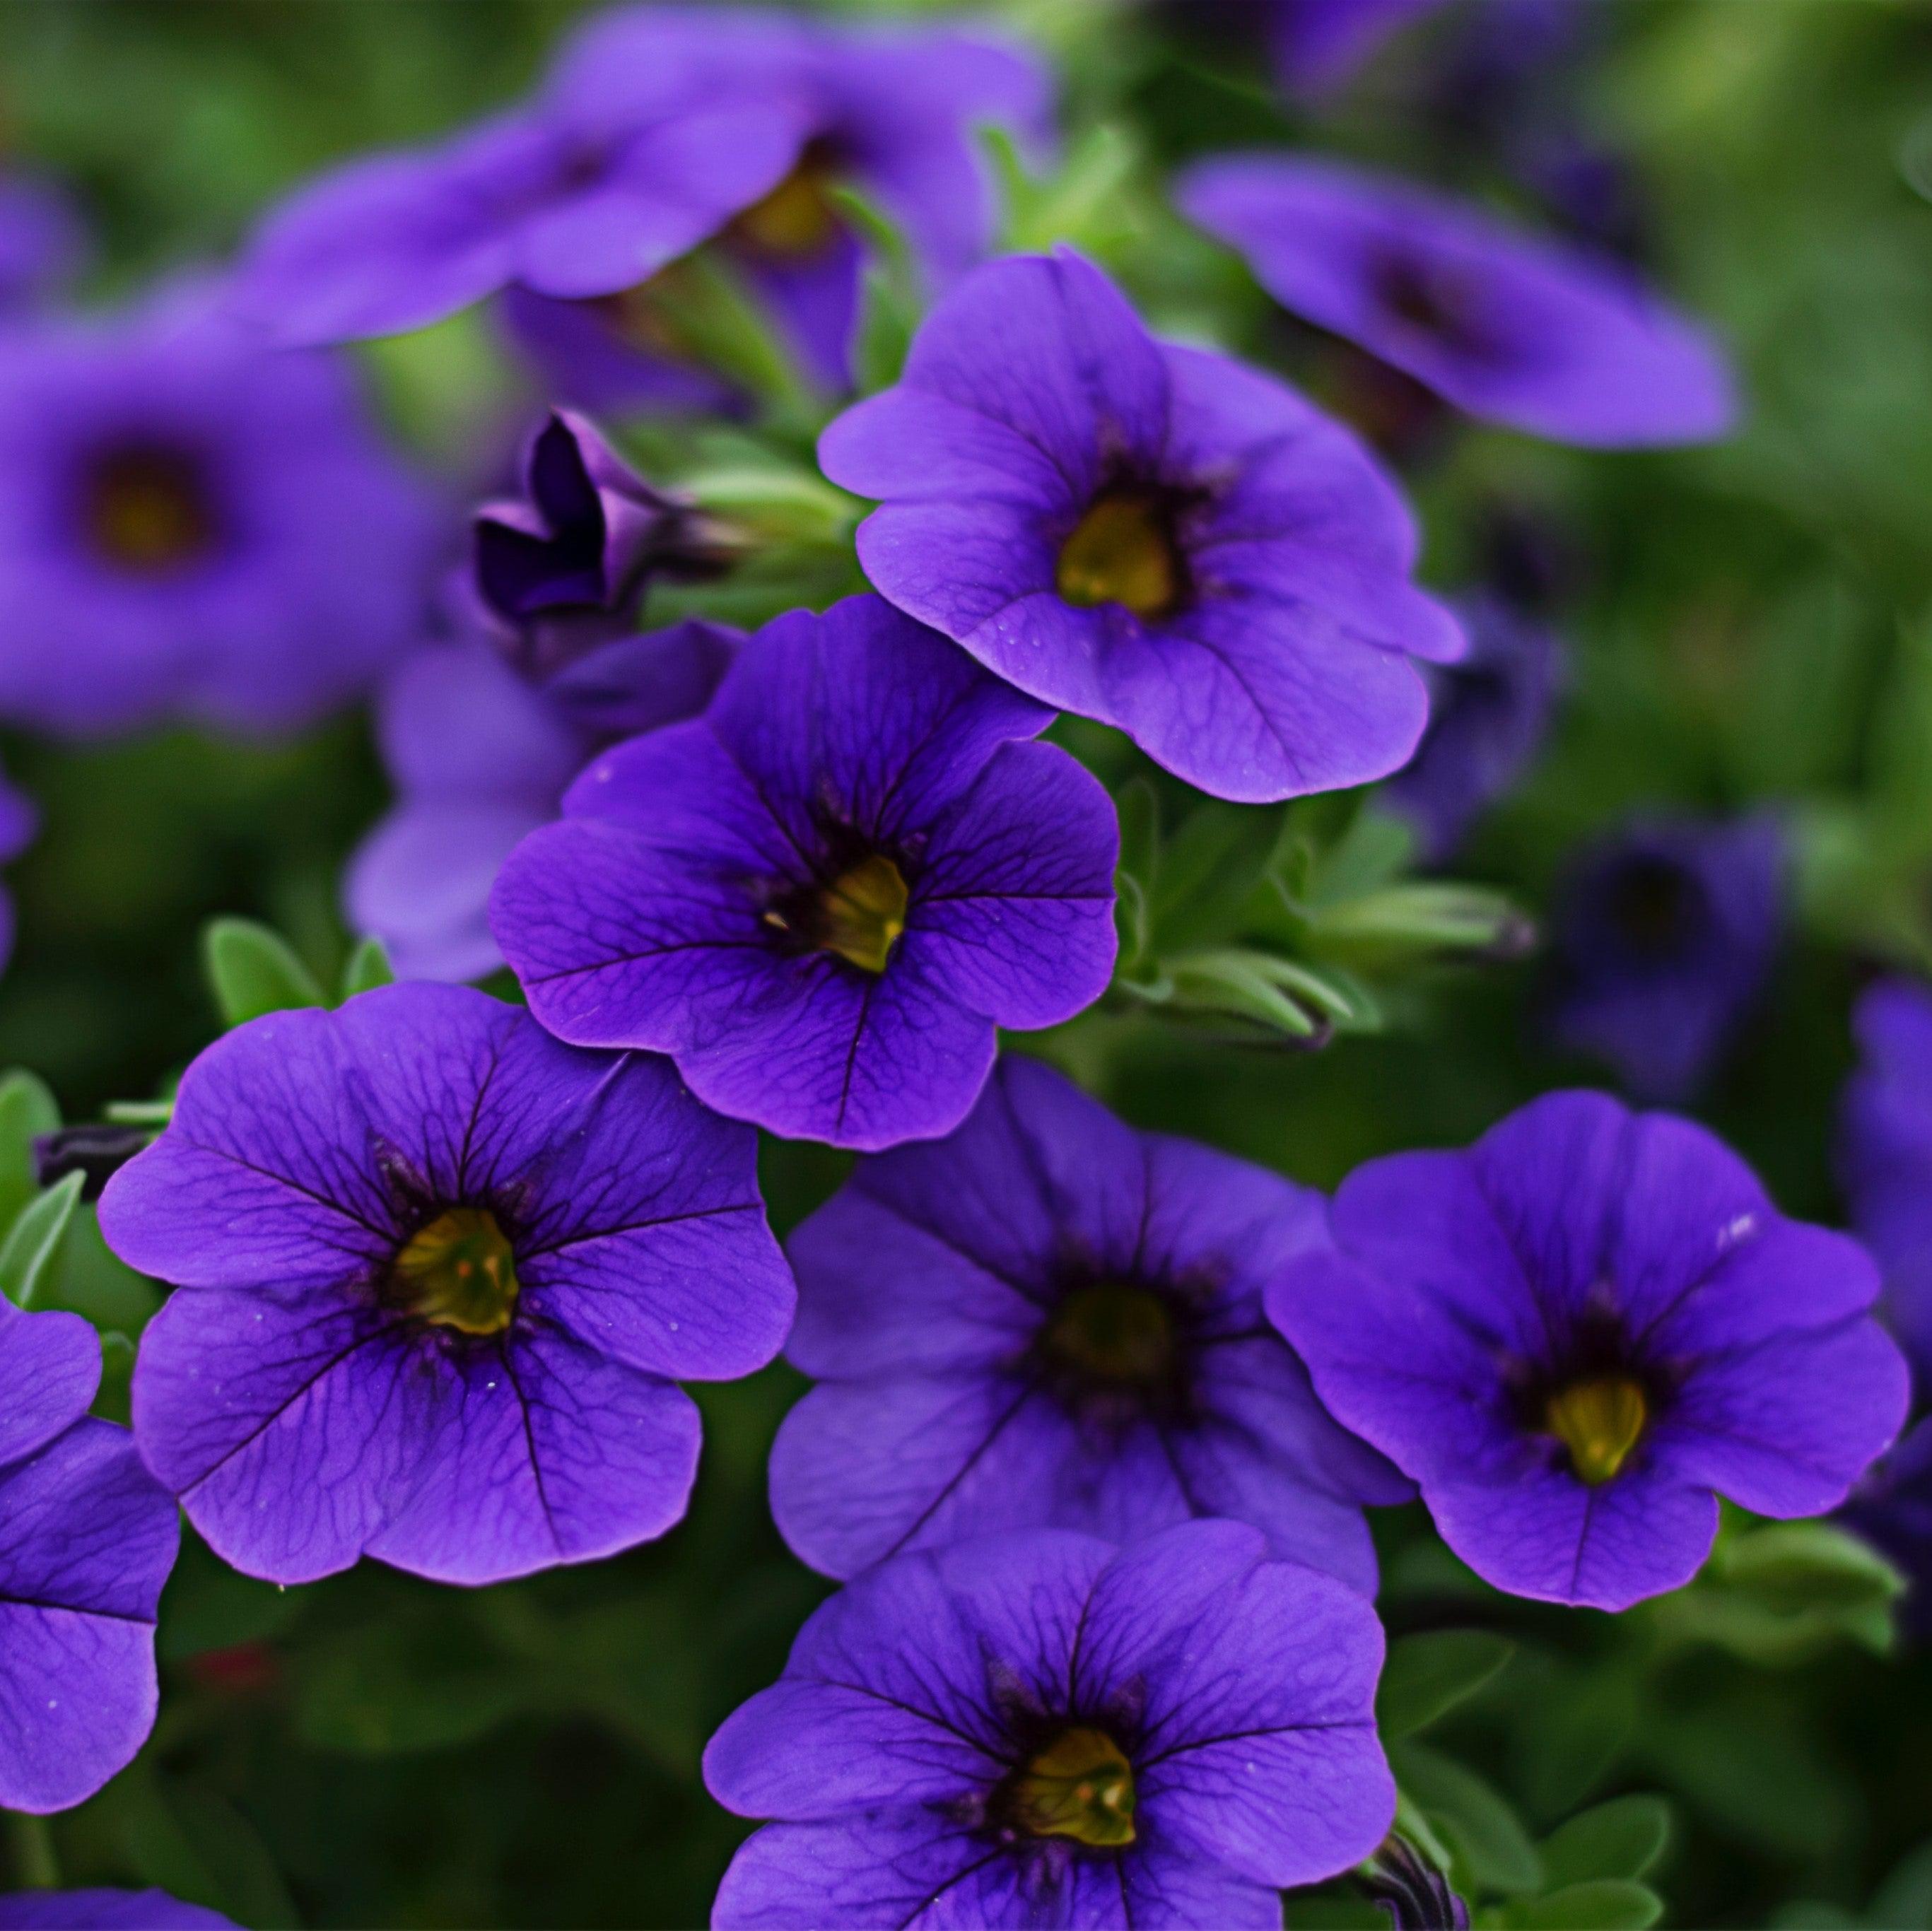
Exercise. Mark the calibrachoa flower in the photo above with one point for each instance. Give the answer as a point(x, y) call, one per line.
point(42, 243)
point(1050, 1320)
point(480, 756)
point(890, 111)
point(1319, 44)
point(1149, 535)
point(87, 1539)
point(1487, 715)
point(1573, 1333)
point(822, 897)
point(106, 1911)
point(435, 1273)
point(1509, 326)
point(192, 524)
point(1885, 1153)
point(1664, 936)
point(1040, 1730)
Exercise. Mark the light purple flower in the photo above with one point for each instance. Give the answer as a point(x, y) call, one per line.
point(821, 897)
point(1048, 1319)
point(1573, 1333)
point(193, 525)
point(1885, 1153)
point(1517, 328)
point(43, 243)
point(1151, 535)
point(106, 1911)
point(1040, 1730)
point(437, 1277)
point(87, 1539)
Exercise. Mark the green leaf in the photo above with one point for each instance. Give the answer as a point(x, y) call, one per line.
point(1243, 985)
point(1905, 1897)
point(1621, 1839)
point(27, 1110)
point(254, 970)
point(33, 1245)
point(1493, 1851)
point(888, 306)
point(1427, 1675)
point(1604, 1904)
point(368, 966)
point(1209, 869)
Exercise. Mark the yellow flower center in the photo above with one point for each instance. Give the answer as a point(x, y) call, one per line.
point(1080, 1786)
point(796, 219)
point(1113, 1333)
point(1600, 1422)
point(859, 915)
point(146, 511)
point(457, 1271)
point(1122, 552)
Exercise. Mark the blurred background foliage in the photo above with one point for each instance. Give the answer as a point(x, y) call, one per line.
point(1748, 625)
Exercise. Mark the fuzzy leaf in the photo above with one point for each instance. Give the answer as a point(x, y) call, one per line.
point(1427, 1675)
point(254, 970)
point(27, 1257)
point(1621, 1839)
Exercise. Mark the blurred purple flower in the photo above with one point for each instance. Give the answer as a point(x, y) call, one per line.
point(193, 525)
point(437, 1276)
point(1149, 535)
point(1572, 1334)
point(87, 1539)
point(1885, 1153)
point(1319, 45)
point(106, 1910)
point(1664, 937)
point(1892, 1508)
point(822, 897)
point(1037, 1729)
point(1522, 330)
point(42, 243)
point(891, 111)
point(1487, 715)
point(1048, 1319)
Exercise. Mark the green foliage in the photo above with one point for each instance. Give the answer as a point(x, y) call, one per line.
point(32, 1247)
point(253, 970)
point(1427, 1675)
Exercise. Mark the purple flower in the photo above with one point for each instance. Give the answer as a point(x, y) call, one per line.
point(87, 1539)
point(212, 528)
point(106, 1911)
point(436, 1273)
point(565, 570)
point(1516, 328)
point(1574, 1332)
point(822, 897)
point(1892, 1508)
point(1038, 1729)
point(1487, 715)
point(1050, 1320)
point(1319, 44)
point(42, 243)
point(1148, 535)
point(1665, 935)
point(891, 111)
point(1411, 1890)
point(1885, 1149)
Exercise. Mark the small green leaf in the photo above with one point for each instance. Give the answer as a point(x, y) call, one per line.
point(254, 970)
point(1493, 1851)
point(1238, 985)
point(32, 1246)
point(27, 1110)
point(368, 967)
point(1621, 1839)
point(1427, 1675)
point(1209, 869)
point(1604, 1904)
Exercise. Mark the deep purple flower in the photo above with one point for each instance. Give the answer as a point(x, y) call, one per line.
point(1040, 1730)
point(436, 1273)
point(1573, 1332)
point(1487, 715)
point(1892, 1508)
point(891, 111)
point(1664, 935)
point(1885, 1150)
point(1049, 1320)
point(822, 897)
point(191, 524)
point(1319, 45)
point(1411, 1890)
point(87, 1539)
point(1514, 328)
point(106, 1911)
point(43, 243)
point(1148, 535)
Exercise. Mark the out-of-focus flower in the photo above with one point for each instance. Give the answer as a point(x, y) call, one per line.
point(1038, 1729)
point(1885, 1150)
point(437, 1276)
point(1487, 718)
point(192, 524)
point(1892, 1508)
point(42, 243)
point(1573, 1333)
point(1319, 45)
point(106, 1910)
point(1048, 1319)
point(1149, 535)
point(822, 897)
point(87, 1539)
point(1664, 935)
point(1413, 1894)
point(1519, 329)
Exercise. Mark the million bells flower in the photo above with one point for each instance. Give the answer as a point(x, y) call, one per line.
point(1148, 535)
point(1576, 1334)
point(436, 1273)
point(1041, 1730)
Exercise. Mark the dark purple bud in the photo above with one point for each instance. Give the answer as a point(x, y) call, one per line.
point(1411, 1890)
point(97, 1151)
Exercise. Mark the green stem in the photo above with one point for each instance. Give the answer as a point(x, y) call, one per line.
point(31, 1840)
